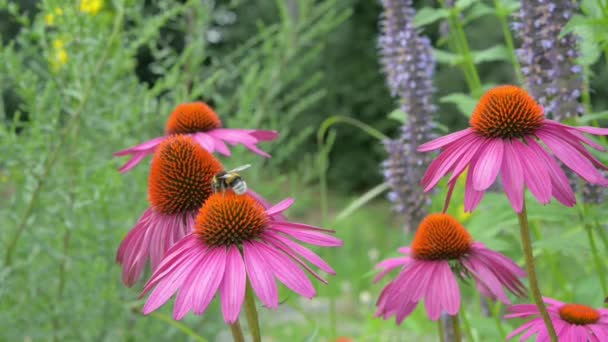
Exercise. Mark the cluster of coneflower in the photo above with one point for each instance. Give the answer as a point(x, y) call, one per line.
point(509, 139)
point(200, 242)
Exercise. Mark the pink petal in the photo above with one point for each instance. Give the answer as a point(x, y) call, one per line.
point(286, 271)
point(266, 205)
point(441, 289)
point(131, 163)
point(262, 135)
point(280, 207)
point(234, 136)
point(445, 162)
point(513, 177)
point(306, 253)
point(386, 266)
point(148, 146)
point(260, 275)
point(536, 175)
point(471, 152)
point(488, 165)
point(472, 197)
point(572, 158)
point(560, 186)
point(444, 140)
point(208, 279)
point(232, 289)
point(311, 237)
point(206, 141)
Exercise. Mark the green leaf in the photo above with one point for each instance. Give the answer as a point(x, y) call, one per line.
point(445, 57)
point(398, 115)
point(464, 4)
point(464, 102)
point(587, 118)
point(429, 15)
point(362, 200)
point(477, 11)
point(495, 53)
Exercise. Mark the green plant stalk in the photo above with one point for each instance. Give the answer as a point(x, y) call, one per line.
point(334, 119)
point(602, 234)
point(534, 289)
point(498, 321)
point(252, 314)
point(237, 333)
point(53, 156)
point(456, 326)
point(440, 330)
point(464, 49)
point(596, 259)
point(179, 325)
point(466, 325)
point(508, 40)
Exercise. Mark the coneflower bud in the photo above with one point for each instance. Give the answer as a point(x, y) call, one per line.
point(548, 61)
point(409, 65)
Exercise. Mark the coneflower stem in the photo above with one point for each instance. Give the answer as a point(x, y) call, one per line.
point(527, 248)
point(467, 326)
point(497, 319)
point(237, 333)
point(440, 330)
point(456, 327)
point(500, 13)
point(252, 314)
point(596, 259)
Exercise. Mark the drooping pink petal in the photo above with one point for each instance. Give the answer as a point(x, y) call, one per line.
point(471, 153)
point(472, 197)
point(532, 326)
point(311, 237)
point(286, 271)
point(488, 164)
point(201, 284)
point(131, 163)
point(444, 140)
point(260, 275)
point(147, 146)
point(205, 140)
point(168, 285)
point(262, 135)
point(269, 238)
point(560, 186)
point(572, 158)
point(512, 176)
point(232, 289)
point(280, 207)
point(388, 265)
point(306, 253)
point(445, 162)
point(536, 175)
point(437, 289)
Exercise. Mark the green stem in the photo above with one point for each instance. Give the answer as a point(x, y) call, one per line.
point(252, 314)
point(237, 333)
point(456, 327)
point(469, 68)
point(602, 234)
point(534, 289)
point(467, 326)
point(500, 13)
point(440, 330)
point(596, 259)
point(497, 319)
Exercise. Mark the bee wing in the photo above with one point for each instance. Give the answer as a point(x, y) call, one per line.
point(239, 168)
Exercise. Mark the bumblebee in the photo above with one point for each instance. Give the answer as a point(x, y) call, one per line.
point(225, 180)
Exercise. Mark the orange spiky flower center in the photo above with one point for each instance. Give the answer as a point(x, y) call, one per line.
point(579, 314)
point(440, 237)
point(192, 117)
point(229, 219)
point(181, 175)
point(507, 112)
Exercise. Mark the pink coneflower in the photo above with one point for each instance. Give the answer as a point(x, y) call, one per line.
point(572, 322)
point(202, 123)
point(233, 242)
point(441, 251)
point(504, 136)
point(179, 184)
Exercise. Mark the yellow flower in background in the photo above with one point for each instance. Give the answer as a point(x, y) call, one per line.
point(461, 214)
point(91, 6)
point(59, 56)
point(49, 18)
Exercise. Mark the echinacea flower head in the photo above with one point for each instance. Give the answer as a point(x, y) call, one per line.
point(178, 186)
point(507, 132)
point(441, 252)
point(201, 122)
point(572, 322)
point(235, 241)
